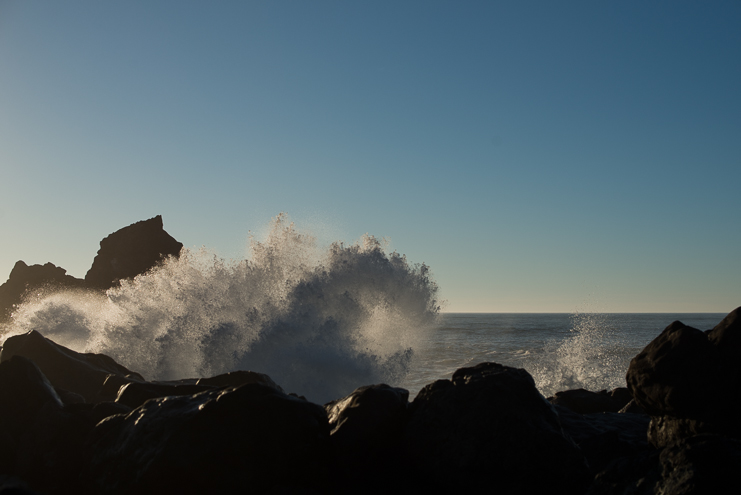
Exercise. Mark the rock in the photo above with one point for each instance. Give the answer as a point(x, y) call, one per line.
point(24, 278)
point(131, 251)
point(678, 374)
point(134, 394)
point(82, 374)
point(694, 466)
point(240, 377)
point(605, 436)
point(689, 381)
point(665, 430)
point(630, 475)
point(490, 429)
point(24, 393)
point(367, 428)
point(242, 439)
point(583, 401)
point(699, 465)
point(632, 407)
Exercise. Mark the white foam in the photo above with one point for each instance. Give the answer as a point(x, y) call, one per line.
point(319, 321)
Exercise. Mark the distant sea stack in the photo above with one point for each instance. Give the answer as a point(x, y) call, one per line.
point(24, 278)
point(131, 251)
point(126, 253)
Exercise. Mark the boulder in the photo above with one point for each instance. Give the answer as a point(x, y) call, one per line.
point(697, 465)
point(583, 401)
point(605, 436)
point(134, 394)
point(251, 438)
point(24, 278)
point(689, 381)
point(24, 392)
point(131, 251)
point(367, 428)
point(239, 377)
point(80, 373)
point(678, 374)
point(489, 429)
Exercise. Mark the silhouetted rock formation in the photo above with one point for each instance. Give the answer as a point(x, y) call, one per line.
point(251, 438)
point(489, 429)
point(486, 429)
point(367, 429)
point(131, 251)
point(584, 402)
point(24, 278)
point(126, 253)
point(689, 381)
point(83, 374)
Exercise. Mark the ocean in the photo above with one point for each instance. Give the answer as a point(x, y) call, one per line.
point(322, 321)
point(561, 351)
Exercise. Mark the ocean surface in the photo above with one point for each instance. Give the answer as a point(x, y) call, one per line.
point(322, 321)
point(561, 351)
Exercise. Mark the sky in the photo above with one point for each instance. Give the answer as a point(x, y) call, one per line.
point(538, 156)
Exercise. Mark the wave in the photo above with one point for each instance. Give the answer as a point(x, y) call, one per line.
point(319, 321)
point(593, 356)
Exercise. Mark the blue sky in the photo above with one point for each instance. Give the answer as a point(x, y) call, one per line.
point(538, 156)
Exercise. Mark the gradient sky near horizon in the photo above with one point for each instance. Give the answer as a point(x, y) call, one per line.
point(539, 156)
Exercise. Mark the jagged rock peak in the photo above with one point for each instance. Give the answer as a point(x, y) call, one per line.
point(131, 251)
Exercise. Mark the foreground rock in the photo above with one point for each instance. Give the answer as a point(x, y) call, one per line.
point(689, 381)
point(251, 438)
point(81, 373)
point(697, 465)
point(131, 251)
point(487, 429)
point(490, 429)
point(367, 430)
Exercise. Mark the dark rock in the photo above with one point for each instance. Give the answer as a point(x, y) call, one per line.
point(665, 430)
point(83, 374)
point(236, 378)
point(245, 439)
point(68, 397)
point(131, 251)
point(632, 407)
point(366, 430)
point(605, 436)
point(622, 395)
point(631, 475)
point(727, 334)
point(135, 394)
point(24, 393)
point(490, 429)
point(583, 401)
point(23, 279)
point(12, 485)
point(699, 465)
point(678, 374)
point(53, 452)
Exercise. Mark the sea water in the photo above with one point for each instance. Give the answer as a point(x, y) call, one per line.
point(322, 321)
point(561, 351)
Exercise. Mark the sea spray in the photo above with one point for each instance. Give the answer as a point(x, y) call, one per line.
point(320, 322)
point(594, 356)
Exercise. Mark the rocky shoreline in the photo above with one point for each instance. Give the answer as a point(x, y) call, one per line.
point(82, 423)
